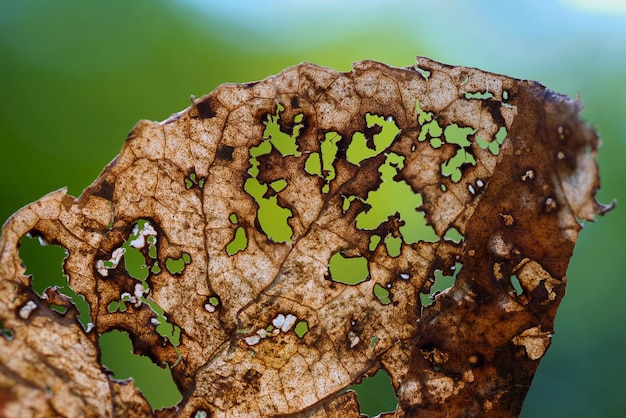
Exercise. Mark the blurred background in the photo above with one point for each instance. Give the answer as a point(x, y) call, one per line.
point(75, 77)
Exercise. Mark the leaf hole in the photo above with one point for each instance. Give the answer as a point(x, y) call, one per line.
point(156, 383)
point(44, 263)
point(376, 394)
point(348, 270)
point(441, 283)
point(517, 285)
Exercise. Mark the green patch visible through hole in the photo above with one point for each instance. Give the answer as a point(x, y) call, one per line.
point(139, 268)
point(240, 240)
point(441, 283)
point(376, 394)
point(156, 383)
point(361, 149)
point(322, 166)
point(516, 285)
point(374, 341)
point(193, 180)
point(283, 142)
point(44, 263)
point(393, 245)
point(413, 226)
point(301, 328)
point(382, 294)
point(453, 234)
point(58, 308)
point(451, 134)
point(271, 216)
point(177, 265)
point(479, 95)
point(135, 264)
point(7, 333)
point(495, 144)
point(458, 136)
point(350, 271)
point(163, 327)
point(374, 241)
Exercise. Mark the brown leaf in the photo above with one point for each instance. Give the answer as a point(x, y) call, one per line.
point(270, 243)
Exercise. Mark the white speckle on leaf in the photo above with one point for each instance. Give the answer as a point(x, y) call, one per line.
point(278, 321)
point(252, 340)
point(290, 321)
point(27, 309)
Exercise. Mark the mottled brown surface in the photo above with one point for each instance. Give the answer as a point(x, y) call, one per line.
point(471, 353)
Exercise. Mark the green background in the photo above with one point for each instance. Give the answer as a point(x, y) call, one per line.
point(75, 76)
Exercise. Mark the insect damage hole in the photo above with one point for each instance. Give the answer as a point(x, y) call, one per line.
point(156, 383)
point(376, 394)
point(44, 263)
point(441, 283)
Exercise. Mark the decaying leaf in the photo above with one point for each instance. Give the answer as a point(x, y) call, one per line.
point(270, 244)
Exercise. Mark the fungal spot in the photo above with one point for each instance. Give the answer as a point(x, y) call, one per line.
point(225, 152)
point(252, 339)
point(560, 155)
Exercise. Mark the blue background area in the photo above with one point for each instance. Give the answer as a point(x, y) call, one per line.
point(76, 76)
